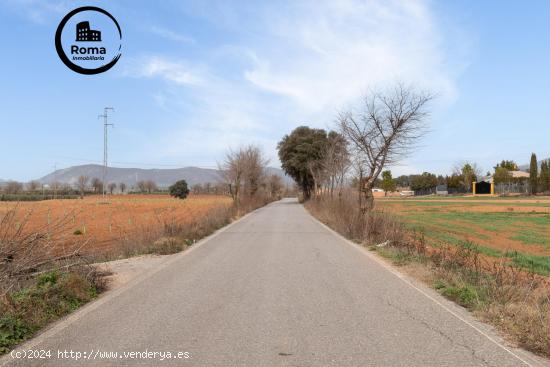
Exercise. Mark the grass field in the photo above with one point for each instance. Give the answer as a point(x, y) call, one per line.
point(104, 224)
point(517, 229)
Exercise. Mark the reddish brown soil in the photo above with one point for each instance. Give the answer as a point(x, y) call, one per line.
point(105, 222)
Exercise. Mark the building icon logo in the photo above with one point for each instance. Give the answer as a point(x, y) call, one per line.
point(85, 34)
point(85, 50)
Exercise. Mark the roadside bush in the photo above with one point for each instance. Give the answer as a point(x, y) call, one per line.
point(343, 216)
point(48, 296)
point(39, 279)
point(167, 246)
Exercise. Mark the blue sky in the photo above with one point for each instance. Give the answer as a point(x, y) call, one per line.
point(198, 77)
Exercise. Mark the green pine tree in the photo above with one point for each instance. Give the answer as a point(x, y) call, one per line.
point(388, 183)
point(533, 174)
point(545, 176)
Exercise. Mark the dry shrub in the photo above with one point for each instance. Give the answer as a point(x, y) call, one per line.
point(25, 253)
point(342, 215)
point(42, 276)
point(170, 234)
point(527, 320)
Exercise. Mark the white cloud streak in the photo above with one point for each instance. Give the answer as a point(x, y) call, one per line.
point(158, 66)
point(303, 62)
point(171, 35)
point(39, 11)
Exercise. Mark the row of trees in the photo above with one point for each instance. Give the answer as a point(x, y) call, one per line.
point(244, 173)
point(208, 188)
point(381, 132)
point(539, 182)
point(385, 128)
point(317, 160)
point(82, 186)
point(464, 174)
point(96, 185)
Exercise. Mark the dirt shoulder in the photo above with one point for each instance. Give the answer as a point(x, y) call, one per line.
point(124, 271)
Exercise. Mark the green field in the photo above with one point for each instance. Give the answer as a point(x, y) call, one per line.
point(517, 229)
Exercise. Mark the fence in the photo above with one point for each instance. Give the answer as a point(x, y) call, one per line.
point(512, 188)
point(427, 191)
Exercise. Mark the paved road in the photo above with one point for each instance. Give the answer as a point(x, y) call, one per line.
point(277, 289)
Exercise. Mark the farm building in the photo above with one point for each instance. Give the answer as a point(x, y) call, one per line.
point(519, 174)
point(517, 184)
point(483, 188)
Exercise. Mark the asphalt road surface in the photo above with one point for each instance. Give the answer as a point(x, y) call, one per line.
point(276, 288)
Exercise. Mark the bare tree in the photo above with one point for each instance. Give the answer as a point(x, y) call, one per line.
point(275, 185)
point(232, 170)
point(336, 162)
point(33, 185)
point(122, 187)
point(243, 170)
point(254, 164)
point(388, 126)
point(142, 186)
point(150, 186)
point(111, 187)
point(13, 187)
point(97, 184)
point(65, 188)
point(82, 183)
point(55, 186)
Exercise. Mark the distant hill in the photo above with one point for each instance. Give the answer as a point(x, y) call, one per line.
point(162, 177)
point(525, 167)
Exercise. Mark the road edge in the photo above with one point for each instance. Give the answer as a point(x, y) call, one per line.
point(425, 291)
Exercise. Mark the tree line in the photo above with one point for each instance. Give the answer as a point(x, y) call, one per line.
point(244, 172)
point(383, 130)
point(380, 132)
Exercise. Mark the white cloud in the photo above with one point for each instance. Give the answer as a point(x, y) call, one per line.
point(171, 35)
point(300, 63)
point(157, 66)
point(330, 52)
point(39, 11)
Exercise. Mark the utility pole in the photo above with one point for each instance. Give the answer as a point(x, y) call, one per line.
point(105, 125)
point(55, 181)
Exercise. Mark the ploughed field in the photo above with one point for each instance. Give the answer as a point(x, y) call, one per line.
point(516, 229)
point(102, 225)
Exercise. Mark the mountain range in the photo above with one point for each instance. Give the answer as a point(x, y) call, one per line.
point(130, 176)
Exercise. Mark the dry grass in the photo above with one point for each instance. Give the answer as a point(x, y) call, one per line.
point(341, 215)
point(516, 301)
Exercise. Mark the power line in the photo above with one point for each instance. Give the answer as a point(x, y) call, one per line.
point(105, 126)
